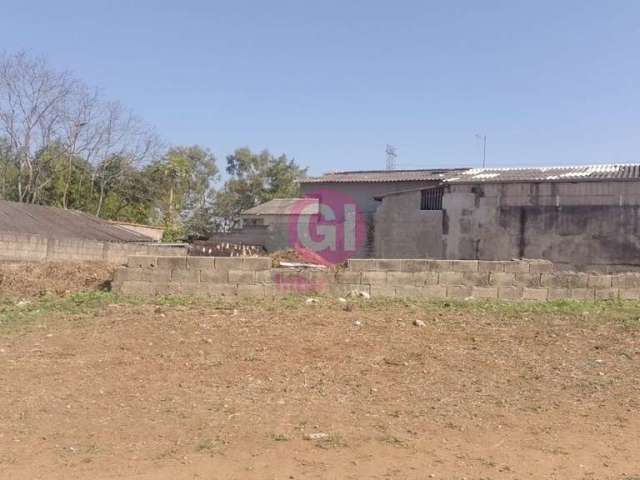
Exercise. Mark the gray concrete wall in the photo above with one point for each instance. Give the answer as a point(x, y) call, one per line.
point(427, 279)
point(589, 225)
point(363, 195)
point(404, 231)
point(34, 248)
point(278, 232)
point(584, 224)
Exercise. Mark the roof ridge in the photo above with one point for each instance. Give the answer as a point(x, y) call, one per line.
point(556, 167)
point(440, 169)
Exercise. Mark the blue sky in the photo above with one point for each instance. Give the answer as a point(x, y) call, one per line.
point(331, 82)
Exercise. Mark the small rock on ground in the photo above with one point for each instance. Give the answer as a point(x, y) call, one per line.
point(316, 436)
point(359, 294)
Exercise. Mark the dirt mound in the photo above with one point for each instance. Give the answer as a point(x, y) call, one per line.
point(32, 279)
point(295, 256)
point(288, 255)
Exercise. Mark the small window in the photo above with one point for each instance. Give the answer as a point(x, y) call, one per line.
point(431, 199)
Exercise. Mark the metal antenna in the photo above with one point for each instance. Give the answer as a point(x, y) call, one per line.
point(390, 150)
point(483, 138)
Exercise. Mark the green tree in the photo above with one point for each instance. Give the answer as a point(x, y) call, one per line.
point(61, 177)
point(254, 178)
point(184, 183)
point(8, 172)
point(131, 198)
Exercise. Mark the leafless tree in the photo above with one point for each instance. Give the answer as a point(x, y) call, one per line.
point(120, 141)
point(78, 117)
point(31, 101)
point(41, 108)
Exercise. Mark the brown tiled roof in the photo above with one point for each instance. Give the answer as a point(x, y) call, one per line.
point(547, 174)
point(381, 176)
point(281, 206)
point(53, 222)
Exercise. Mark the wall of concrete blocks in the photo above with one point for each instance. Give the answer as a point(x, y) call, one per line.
point(34, 248)
point(584, 225)
point(430, 279)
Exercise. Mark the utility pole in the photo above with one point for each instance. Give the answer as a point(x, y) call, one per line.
point(483, 138)
point(390, 150)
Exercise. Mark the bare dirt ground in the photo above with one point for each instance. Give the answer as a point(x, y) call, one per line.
point(59, 278)
point(95, 387)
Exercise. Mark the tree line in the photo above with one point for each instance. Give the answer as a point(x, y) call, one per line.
point(63, 144)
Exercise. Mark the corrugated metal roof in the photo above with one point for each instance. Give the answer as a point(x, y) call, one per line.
point(54, 222)
point(283, 206)
point(547, 174)
point(486, 175)
point(133, 224)
point(381, 176)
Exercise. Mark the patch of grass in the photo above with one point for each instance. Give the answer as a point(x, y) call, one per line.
point(334, 440)
point(205, 445)
point(286, 302)
point(394, 441)
point(626, 312)
point(21, 313)
point(17, 314)
point(175, 300)
point(210, 446)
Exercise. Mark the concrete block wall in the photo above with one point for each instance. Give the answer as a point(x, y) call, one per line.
point(35, 248)
point(583, 225)
point(431, 279)
point(507, 280)
point(152, 275)
point(22, 247)
point(580, 224)
point(402, 230)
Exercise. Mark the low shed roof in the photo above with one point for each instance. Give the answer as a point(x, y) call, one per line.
point(54, 222)
point(284, 206)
